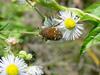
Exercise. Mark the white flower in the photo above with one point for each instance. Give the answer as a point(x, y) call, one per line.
point(35, 70)
point(69, 27)
point(12, 40)
point(12, 65)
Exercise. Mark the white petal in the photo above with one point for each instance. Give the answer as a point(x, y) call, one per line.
point(80, 26)
point(65, 14)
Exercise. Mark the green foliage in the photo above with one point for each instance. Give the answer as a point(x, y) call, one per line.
point(94, 9)
point(12, 24)
point(94, 41)
point(94, 35)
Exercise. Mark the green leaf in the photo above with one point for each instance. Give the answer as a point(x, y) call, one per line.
point(91, 36)
point(3, 26)
point(93, 13)
point(94, 41)
point(94, 9)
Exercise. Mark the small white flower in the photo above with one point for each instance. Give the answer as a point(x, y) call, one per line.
point(12, 65)
point(35, 70)
point(68, 25)
point(12, 40)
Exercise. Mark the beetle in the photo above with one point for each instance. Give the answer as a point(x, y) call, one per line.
point(51, 33)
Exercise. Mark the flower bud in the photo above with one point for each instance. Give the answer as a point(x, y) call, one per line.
point(22, 54)
point(29, 57)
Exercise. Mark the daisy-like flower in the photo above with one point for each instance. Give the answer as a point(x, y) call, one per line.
point(35, 70)
point(70, 29)
point(12, 65)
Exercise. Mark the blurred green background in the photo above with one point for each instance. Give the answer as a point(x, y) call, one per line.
point(58, 57)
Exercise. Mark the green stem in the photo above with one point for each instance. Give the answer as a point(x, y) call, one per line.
point(78, 11)
point(36, 9)
point(54, 5)
point(43, 17)
point(31, 33)
point(83, 14)
point(93, 16)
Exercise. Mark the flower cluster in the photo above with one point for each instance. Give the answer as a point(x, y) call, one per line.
point(67, 25)
point(12, 65)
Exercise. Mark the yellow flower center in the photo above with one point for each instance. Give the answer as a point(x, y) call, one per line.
point(12, 69)
point(69, 23)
